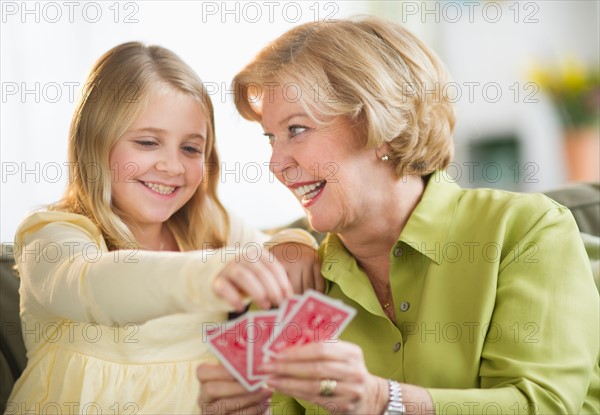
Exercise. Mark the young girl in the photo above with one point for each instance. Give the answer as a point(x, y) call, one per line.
point(120, 277)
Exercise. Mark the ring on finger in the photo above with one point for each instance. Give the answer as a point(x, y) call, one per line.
point(327, 387)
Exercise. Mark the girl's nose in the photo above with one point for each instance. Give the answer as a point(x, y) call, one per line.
point(170, 164)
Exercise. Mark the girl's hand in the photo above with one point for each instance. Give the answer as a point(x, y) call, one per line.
point(264, 281)
point(302, 266)
point(298, 372)
point(220, 393)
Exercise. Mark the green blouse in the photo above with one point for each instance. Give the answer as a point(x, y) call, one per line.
point(496, 307)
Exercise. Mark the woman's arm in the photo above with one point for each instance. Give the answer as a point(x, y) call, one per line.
point(545, 289)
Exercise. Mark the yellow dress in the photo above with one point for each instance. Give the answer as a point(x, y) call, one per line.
point(114, 332)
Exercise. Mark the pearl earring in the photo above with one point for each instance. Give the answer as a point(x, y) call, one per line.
point(385, 157)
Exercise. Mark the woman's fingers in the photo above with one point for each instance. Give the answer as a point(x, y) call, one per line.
point(332, 375)
point(331, 350)
point(313, 370)
point(341, 400)
point(256, 402)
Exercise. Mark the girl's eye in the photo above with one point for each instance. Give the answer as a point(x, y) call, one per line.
point(192, 150)
point(146, 143)
point(296, 129)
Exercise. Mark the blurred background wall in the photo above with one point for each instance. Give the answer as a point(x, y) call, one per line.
point(508, 59)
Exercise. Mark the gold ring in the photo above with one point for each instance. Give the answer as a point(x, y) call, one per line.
point(327, 387)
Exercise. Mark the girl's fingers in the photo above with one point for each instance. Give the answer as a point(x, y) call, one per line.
point(246, 283)
point(224, 289)
point(264, 282)
point(273, 280)
point(279, 274)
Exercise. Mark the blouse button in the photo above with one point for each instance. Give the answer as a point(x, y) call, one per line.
point(404, 306)
point(397, 347)
point(397, 252)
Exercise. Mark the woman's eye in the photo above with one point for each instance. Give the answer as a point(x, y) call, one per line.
point(271, 139)
point(296, 129)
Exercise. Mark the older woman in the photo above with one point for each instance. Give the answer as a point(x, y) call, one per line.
point(468, 301)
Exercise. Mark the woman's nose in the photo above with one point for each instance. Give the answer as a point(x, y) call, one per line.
point(283, 164)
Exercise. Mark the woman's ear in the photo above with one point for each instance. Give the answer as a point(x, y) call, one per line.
point(383, 152)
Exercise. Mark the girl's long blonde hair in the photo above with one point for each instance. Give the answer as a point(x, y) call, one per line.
point(116, 92)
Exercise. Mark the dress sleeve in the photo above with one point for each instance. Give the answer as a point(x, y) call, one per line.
point(245, 234)
point(67, 271)
point(546, 298)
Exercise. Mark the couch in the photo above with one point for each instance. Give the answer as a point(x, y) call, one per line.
point(582, 199)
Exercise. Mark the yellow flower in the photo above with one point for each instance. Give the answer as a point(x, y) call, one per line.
point(574, 76)
point(573, 87)
point(540, 76)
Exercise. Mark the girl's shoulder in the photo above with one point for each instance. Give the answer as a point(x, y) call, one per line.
point(37, 220)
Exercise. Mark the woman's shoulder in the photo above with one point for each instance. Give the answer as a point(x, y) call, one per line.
point(504, 199)
point(519, 209)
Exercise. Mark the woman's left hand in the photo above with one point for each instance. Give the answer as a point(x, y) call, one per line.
point(299, 372)
point(302, 265)
point(221, 393)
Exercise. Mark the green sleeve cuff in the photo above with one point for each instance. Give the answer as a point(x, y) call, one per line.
point(477, 401)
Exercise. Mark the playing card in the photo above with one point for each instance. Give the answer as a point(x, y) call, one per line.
point(242, 345)
point(260, 332)
point(287, 306)
point(230, 345)
point(315, 318)
point(284, 311)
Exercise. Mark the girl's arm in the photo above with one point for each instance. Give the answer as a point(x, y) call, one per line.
point(67, 271)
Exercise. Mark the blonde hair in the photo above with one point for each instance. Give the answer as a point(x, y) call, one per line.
point(117, 91)
point(375, 72)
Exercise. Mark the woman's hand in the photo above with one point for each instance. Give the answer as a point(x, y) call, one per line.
point(220, 393)
point(302, 265)
point(264, 281)
point(298, 372)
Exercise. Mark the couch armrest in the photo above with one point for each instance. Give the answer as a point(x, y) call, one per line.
point(12, 349)
point(583, 200)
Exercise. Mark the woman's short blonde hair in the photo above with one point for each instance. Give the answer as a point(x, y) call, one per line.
point(373, 71)
point(117, 91)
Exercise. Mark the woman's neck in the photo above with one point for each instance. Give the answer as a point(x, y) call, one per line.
point(374, 237)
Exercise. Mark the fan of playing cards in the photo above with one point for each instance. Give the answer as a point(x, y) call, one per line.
point(244, 344)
